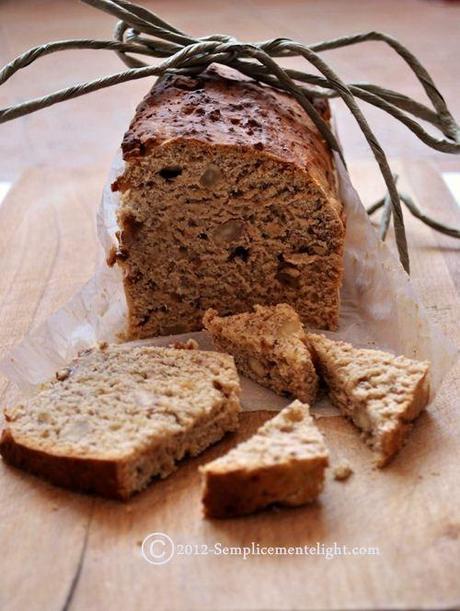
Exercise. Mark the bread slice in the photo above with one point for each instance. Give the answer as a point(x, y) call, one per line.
point(381, 393)
point(119, 416)
point(228, 199)
point(283, 463)
point(269, 346)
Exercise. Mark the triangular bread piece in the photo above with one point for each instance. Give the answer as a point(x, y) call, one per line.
point(283, 463)
point(269, 346)
point(381, 393)
point(119, 416)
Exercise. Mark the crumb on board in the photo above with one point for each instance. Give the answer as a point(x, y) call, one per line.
point(342, 472)
point(190, 344)
point(62, 374)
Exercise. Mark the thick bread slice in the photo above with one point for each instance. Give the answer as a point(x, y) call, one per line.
point(119, 416)
point(269, 346)
point(283, 463)
point(381, 393)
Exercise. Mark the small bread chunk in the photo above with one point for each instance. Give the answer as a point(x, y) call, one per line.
point(381, 393)
point(118, 416)
point(342, 472)
point(189, 344)
point(283, 463)
point(269, 346)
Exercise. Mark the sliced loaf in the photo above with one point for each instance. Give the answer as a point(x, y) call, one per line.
point(283, 463)
point(119, 416)
point(269, 346)
point(228, 199)
point(381, 393)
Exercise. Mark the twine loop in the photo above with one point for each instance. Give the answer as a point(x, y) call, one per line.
point(141, 33)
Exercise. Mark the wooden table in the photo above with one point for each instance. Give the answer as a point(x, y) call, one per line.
point(67, 551)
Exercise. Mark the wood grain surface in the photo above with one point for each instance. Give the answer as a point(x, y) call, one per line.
point(67, 551)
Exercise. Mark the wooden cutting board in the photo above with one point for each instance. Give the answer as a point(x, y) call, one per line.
point(61, 550)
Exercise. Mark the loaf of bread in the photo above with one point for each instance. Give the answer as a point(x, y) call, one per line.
point(117, 417)
point(269, 346)
point(283, 463)
point(381, 393)
point(228, 199)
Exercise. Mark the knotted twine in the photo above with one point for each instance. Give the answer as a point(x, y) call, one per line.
point(139, 32)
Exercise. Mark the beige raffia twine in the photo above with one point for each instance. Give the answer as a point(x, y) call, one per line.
point(139, 32)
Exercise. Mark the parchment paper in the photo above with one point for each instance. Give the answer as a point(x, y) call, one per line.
point(379, 308)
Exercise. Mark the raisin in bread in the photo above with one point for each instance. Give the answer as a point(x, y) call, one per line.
point(269, 346)
point(228, 199)
point(381, 393)
point(118, 416)
point(283, 463)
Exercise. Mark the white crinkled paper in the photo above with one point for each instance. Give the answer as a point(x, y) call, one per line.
point(379, 308)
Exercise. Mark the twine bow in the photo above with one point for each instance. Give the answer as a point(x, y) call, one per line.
point(139, 32)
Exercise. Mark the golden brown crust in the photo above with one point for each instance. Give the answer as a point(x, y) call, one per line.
point(282, 464)
point(243, 491)
point(221, 107)
point(80, 474)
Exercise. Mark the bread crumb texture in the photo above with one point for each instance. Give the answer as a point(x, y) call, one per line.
point(228, 199)
point(381, 393)
point(189, 344)
point(283, 463)
point(121, 415)
point(269, 346)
